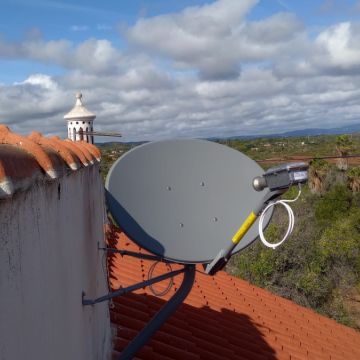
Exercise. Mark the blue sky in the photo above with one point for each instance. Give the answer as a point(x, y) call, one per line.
point(166, 68)
point(55, 19)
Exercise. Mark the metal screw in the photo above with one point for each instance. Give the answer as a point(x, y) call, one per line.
point(215, 219)
point(181, 225)
point(168, 188)
point(202, 183)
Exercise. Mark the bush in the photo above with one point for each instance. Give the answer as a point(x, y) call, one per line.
point(334, 204)
point(320, 262)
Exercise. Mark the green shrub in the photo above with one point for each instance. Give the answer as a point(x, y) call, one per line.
point(333, 204)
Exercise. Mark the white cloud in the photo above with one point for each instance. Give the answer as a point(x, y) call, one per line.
point(342, 44)
point(93, 55)
point(44, 81)
point(288, 80)
point(34, 104)
point(214, 39)
point(257, 102)
point(273, 30)
point(198, 37)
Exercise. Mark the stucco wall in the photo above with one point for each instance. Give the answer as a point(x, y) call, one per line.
point(48, 256)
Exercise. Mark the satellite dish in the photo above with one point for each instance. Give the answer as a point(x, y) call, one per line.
point(189, 201)
point(184, 200)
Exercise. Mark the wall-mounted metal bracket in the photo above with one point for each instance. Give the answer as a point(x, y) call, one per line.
point(162, 315)
point(130, 253)
point(131, 288)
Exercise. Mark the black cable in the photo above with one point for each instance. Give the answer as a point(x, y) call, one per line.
point(311, 158)
point(150, 275)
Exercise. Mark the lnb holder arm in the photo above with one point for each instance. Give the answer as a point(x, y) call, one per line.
point(224, 255)
point(277, 180)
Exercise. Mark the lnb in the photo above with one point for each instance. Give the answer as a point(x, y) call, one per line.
point(282, 177)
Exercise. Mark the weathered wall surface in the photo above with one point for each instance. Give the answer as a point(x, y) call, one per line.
point(48, 256)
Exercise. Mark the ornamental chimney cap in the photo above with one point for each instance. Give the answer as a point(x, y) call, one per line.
point(79, 111)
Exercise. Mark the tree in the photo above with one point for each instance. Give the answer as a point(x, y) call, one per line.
point(317, 173)
point(353, 179)
point(344, 146)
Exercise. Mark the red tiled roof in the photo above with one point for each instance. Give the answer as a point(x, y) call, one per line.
point(23, 159)
point(222, 318)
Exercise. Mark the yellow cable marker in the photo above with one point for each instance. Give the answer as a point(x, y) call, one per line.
point(244, 228)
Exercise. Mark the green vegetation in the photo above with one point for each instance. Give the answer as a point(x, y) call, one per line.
point(110, 152)
point(319, 265)
point(311, 146)
point(353, 177)
point(344, 146)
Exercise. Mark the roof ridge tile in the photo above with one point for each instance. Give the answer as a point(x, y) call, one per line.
point(25, 159)
point(92, 149)
point(10, 138)
point(55, 145)
point(79, 151)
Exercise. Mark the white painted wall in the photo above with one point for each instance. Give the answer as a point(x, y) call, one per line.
point(75, 126)
point(48, 256)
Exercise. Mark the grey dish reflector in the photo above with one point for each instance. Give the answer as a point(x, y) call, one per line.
point(183, 200)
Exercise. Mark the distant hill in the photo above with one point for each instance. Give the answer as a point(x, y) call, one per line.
point(306, 132)
point(296, 133)
point(112, 143)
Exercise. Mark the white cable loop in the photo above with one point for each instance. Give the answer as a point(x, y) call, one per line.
point(291, 220)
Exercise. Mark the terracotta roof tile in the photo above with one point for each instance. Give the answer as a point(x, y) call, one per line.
point(6, 186)
point(81, 145)
point(222, 318)
point(57, 146)
point(77, 150)
point(8, 137)
point(18, 170)
point(92, 149)
point(23, 160)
